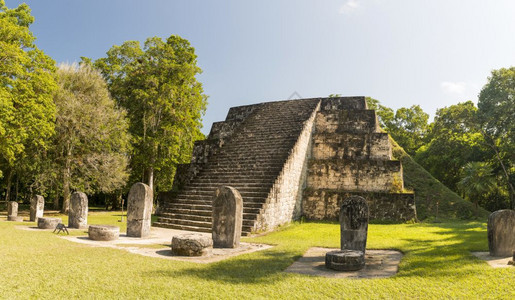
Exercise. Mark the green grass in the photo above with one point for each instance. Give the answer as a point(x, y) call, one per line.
point(437, 264)
point(428, 189)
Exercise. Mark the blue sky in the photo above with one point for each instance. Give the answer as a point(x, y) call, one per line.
point(432, 53)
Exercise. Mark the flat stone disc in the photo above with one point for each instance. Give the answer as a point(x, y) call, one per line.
point(345, 260)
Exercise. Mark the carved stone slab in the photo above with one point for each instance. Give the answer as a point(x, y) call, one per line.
point(501, 232)
point(354, 223)
point(227, 217)
point(139, 210)
point(78, 213)
point(37, 205)
point(12, 208)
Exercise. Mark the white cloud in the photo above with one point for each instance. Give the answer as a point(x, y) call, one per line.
point(453, 87)
point(349, 6)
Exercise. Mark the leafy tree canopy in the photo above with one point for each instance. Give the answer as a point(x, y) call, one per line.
point(157, 86)
point(26, 86)
point(91, 144)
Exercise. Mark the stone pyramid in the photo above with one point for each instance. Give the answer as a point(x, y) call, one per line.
point(290, 159)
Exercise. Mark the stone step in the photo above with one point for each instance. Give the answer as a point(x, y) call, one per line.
point(245, 231)
point(204, 218)
point(246, 210)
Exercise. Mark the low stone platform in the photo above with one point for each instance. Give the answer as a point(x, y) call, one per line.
point(103, 232)
point(15, 218)
point(157, 245)
point(378, 264)
point(48, 223)
point(494, 261)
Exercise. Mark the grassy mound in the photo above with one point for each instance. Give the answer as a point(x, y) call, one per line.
point(429, 191)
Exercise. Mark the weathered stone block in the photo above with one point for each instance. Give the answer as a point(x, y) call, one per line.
point(345, 260)
point(15, 218)
point(139, 210)
point(191, 244)
point(78, 213)
point(227, 217)
point(48, 223)
point(501, 232)
point(103, 232)
point(12, 208)
point(37, 205)
point(354, 224)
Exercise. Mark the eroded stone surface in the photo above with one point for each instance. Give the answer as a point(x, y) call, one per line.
point(103, 232)
point(354, 224)
point(78, 213)
point(139, 210)
point(191, 244)
point(227, 217)
point(48, 223)
point(37, 205)
point(12, 208)
point(345, 260)
point(15, 218)
point(501, 232)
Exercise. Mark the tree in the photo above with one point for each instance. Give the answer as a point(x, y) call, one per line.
point(477, 181)
point(91, 142)
point(157, 86)
point(496, 113)
point(26, 87)
point(454, 140)
point(385, 114)
point(407, 126)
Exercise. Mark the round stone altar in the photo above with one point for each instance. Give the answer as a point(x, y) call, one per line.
point(191, 244)
point(103, 232)
point(48, 223)
point(345, 260)
point(15, 218)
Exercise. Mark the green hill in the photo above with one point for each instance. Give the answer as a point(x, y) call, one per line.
point(429, 191)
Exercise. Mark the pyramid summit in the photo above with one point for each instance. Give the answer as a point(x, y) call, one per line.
point(290, 159)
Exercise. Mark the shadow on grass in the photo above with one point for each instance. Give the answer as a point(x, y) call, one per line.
point(447, 256)
point(249, 269)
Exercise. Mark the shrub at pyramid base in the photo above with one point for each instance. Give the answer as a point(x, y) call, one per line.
point(139, 210)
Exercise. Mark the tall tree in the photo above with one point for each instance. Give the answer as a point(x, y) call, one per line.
point(26, 86)
point(92, 141)
point(454, 140)
point(496, 114)
point(477, 181)
point(157, 86)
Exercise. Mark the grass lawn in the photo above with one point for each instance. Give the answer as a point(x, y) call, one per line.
point(437, 264)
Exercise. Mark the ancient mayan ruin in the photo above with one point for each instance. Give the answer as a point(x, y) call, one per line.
point(290, 159)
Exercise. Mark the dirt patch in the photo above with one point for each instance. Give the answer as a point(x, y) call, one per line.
point(494, 261)
point(378, 264)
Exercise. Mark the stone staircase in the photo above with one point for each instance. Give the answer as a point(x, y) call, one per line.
point(249, 154)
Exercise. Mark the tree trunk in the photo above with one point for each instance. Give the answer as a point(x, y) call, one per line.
point(66, 187)
point(56, 199)
point(8, 188)
point(511, 189)
point(150, 178)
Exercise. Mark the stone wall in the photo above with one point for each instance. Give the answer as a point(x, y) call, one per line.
point(321, 204)
point(352, 146)
point(361, 175)
point(284, 202)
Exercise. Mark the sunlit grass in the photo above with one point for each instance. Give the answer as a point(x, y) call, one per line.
point(437, 264)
